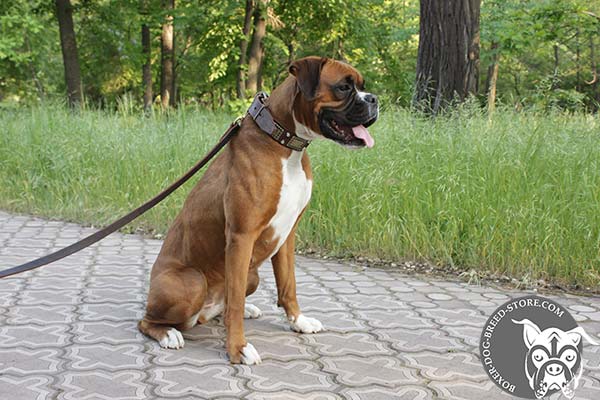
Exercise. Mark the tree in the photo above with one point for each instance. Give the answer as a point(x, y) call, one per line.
point(167, 78)
point(240, 80)
point(147, 66)
point(492, 77)
point(448, 55)
point(64, 13)
point(256, 47)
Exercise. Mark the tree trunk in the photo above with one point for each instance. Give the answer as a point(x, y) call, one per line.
point(594, 81)
point(291, 52)
point(577, 61)
point(174, 88)
point(255, 59)
point(556, 65)
point(259, 79)
point(167, 56)
point(492, 78)
point(241, 79)
point(448, 55)
point(146, 69)
point(64, 12)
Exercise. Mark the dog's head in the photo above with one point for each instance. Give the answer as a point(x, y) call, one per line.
point(332, 103)
point(553, 360)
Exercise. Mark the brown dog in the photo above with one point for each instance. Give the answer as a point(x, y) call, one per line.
point(246, 207)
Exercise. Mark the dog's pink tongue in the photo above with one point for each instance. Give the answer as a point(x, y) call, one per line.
point(362, 133)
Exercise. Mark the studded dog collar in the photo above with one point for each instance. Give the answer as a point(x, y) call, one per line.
point(263, 118)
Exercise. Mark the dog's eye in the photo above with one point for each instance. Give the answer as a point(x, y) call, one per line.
point(344, 88)
point(569, 355)
point(538, 355)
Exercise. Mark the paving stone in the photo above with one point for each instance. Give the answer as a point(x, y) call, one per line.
point(280, 347)
point(394, 319)
point(465, 390)
point(442, 367)
point(7, 298)
point(378, 370)
point(23, 388)
point(454, 317)
point(103, 385)
point(33, 336)
point(104, 356)
point(49, 297)
point(210, 380)
point(378, 393)
point(275, 375)
point(339, 321)
point(439, 296)
point(22, 361)
point(291, 395)
point(112, 312)
point(338, 344)
point(470, 335)
point(363, 301)
point(408, 340)
point(69, 331)
point(198, 353)
point(41, 315)
point(106, 332)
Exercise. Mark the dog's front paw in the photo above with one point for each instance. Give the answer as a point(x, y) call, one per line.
point(172, 340)
point(251, 311)
point(244, 355)
point(304, 324)
point(249, 355)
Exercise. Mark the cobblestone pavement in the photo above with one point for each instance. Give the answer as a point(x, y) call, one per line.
point(68, 331)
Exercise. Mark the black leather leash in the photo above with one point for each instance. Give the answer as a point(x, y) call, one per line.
point(102, 233)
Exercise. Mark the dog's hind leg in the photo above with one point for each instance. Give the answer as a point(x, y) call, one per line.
point(174, 301)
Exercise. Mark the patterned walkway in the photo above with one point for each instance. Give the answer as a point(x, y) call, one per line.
point(68, 331)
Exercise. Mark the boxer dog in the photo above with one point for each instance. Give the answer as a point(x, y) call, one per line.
point(245, 209)
point(553, 360)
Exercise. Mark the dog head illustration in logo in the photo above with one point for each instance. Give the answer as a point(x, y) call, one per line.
point(553, 360)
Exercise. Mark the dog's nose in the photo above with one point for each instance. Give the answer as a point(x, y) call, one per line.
point(371, 98)
point(554, 369)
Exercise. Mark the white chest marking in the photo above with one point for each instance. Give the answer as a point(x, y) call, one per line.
point(293, 198)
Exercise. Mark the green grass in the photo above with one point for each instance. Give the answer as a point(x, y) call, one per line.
point(517, 194)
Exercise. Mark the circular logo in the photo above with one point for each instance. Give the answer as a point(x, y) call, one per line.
point(531, 347)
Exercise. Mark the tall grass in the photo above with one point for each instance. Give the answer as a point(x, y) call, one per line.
point(517, 194)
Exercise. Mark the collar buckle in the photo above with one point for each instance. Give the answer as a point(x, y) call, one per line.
point(262, 116)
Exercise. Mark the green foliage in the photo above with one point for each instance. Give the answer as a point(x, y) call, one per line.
point(527, 32)
point(380, 37)
point(516, 193)
point(30, 60)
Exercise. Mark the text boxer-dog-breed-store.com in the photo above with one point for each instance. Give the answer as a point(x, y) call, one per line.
point(246, 207)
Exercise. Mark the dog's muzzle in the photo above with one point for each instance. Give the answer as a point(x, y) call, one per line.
point(348, 125)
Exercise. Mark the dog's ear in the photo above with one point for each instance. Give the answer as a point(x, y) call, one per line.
point(530, 331)
point(577, 333)
point(308, 73)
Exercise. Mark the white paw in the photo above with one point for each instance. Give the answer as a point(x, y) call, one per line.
point(251, 311)
point(304, 324)
point(173, 340)
point(249, 355)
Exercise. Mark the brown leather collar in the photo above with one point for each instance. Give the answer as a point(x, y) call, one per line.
point(263, 118)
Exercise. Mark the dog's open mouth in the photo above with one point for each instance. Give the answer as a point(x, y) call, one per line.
point(348, 135)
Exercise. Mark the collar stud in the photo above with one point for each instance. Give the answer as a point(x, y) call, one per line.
point(262, 116)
